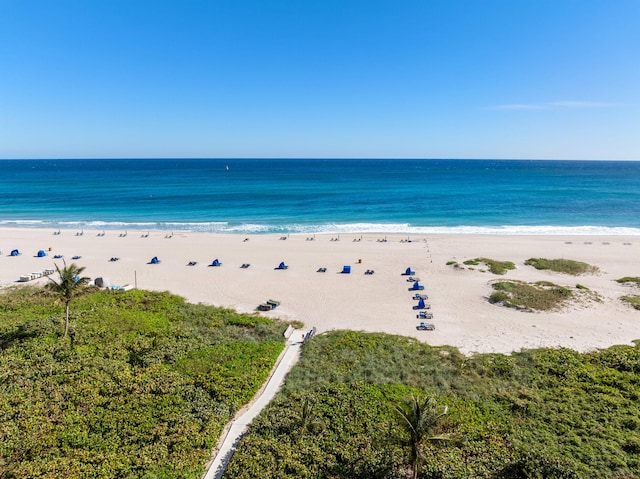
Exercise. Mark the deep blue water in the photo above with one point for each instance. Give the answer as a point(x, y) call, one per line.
point(306, 196)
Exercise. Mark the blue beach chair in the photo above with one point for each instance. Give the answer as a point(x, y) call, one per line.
point(420, 305)
point(281, 266)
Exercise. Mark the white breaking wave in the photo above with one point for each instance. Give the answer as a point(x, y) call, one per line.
point(333, 228)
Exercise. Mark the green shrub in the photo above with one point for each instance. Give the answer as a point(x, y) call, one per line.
point(142, 387)
point(450, 263)
point(630, 279)
point(545, 413)
point(567, 266)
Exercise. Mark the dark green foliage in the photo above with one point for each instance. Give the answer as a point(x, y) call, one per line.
point(450, 263)
point(471, 262)
point(535, 414)
point(540, 296)
point(567, 266)
point(632, 300)
point(629, 279)
point(130, 393)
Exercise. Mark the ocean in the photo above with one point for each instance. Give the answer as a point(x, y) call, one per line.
point(323, 196)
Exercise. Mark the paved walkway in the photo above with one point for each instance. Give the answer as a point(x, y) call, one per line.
point(240, 424)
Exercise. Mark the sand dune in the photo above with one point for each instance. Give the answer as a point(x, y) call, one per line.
point(378, 302)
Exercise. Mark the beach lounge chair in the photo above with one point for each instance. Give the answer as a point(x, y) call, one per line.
point(426, 327)
point(15, 252)
point(419, 296)
point(411, 279)
point(422, 305)
point(281, 266)
point(321, 270)
point(424, 315)
point(264, 307)
point(57, 256)
point(369, 271)
point(192, 263)
point(273, 303)
point(76, 257)
point(154, 260)
point(245, 265)
point(346, 270)
point(41, 254)
point(408, 272)
point(114, 259)
point(215, 262)
point(416, 287)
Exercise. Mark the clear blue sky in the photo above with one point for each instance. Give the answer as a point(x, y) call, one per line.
point(320, 78)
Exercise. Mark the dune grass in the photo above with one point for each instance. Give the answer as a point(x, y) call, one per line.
point(496, 267)
point(566, 266)
point(629, 279)
point(632, 300)
point(539, 296)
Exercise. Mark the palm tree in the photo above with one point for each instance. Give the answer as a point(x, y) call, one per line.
point(70, 285)
point(420, 418)
point(306, 418)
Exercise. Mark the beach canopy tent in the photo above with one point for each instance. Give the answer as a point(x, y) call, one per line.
point(282, 266)
point(420, 304)
point(346, 269)
point(408, 272)
point(15, 252)
point(215, 262)
point(416, 286)
point(154, 260)
point(41, 254)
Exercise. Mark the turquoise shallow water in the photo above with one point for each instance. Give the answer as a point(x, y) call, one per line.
point(313, 196)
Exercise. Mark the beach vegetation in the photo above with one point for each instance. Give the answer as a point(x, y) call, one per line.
point(451, 263)
point(629, 280)
point(69, 284)
point(543, 413)
point(538, 296)
point(421, 419)
point(566, 266)
point(144, 389)
point(496, 267)
point(632, 300)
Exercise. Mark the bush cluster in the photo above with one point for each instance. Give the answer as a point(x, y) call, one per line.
point(548, 413)
point(142, 387)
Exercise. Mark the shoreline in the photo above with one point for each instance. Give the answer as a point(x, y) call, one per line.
point(379, 302)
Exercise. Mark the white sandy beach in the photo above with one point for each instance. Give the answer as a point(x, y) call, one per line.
point(379, 302)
